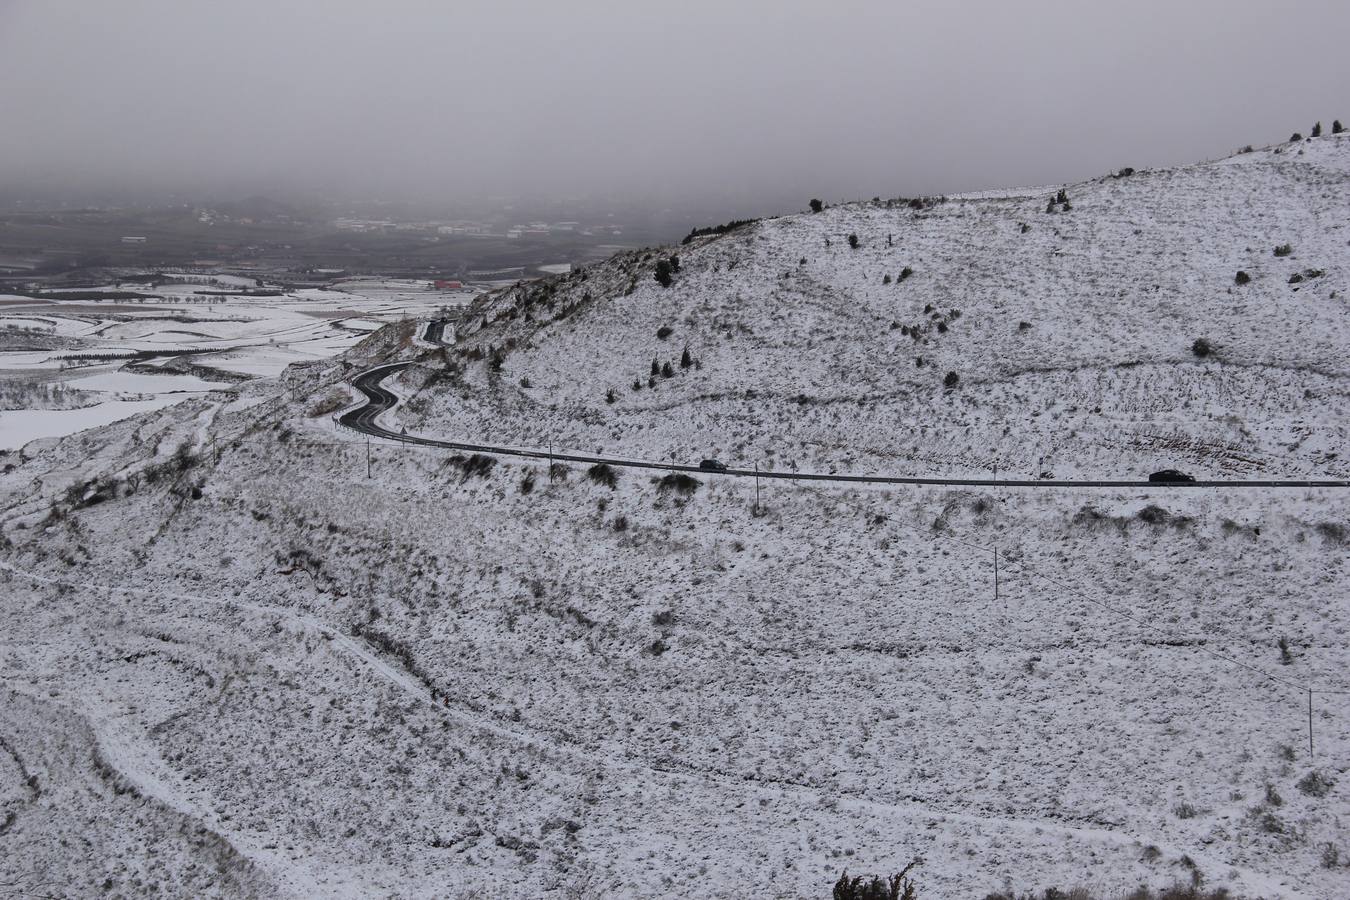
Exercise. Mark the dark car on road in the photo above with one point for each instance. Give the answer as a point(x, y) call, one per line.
point(1171, 476)
point(712, 465)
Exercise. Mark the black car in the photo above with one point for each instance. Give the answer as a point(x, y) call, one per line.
point(1171, 476)
point(712, 465)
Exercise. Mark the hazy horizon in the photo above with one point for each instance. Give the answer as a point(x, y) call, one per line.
point(750, 108)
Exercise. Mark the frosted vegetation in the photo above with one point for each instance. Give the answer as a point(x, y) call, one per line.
point(1093, 339)
point(469, 676)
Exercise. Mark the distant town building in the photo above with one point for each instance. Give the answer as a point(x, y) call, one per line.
point(132, 239)
point(446, 284)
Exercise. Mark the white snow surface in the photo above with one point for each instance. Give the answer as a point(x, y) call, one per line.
point(249, 336)
point(237, 665)
point(1072, 340)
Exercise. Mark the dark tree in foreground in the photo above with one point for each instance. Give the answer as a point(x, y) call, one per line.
point(897, 887)
point(1241, 277)
point(1295, 137)
point(1202, 348)
point(853, 241)
point(685, 359)
point(951, 381)
point(816, 206)
point(1317, 129)
point(1337, 127)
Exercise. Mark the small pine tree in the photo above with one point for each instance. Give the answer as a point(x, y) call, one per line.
point(951, 381)
point(656, 367)
point(886, 279)
point(1062, 196)
point(685, 359)
point(1295, 137)
point(905, 273)
point(610, 396)
point(816, 206)
point(663, 271)
point(666, 370)
point(1050, 207)
point(1337, 127)
point(674, 262)
point(1241, 277)
point(1317, 129)
point(853, 241)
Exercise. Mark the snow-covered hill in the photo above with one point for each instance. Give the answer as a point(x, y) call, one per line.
point(1072, 333)
point(235, 664)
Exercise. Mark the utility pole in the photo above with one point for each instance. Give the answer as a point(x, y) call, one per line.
point(550, 462)
point(756, 488)
point(995, 574)
point(367, 455)
point(1310, 746)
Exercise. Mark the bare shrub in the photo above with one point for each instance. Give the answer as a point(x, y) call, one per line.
point(680, 483)
point(603, 473)
point(1315, 784)
point(897, 887)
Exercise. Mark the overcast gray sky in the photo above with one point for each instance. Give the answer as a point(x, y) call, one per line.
point(758, 103)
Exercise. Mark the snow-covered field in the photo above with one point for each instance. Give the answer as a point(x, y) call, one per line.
point(235, 665)
point(207, 342)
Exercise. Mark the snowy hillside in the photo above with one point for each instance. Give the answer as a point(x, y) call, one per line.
point(1072, 334)
point(246, 654)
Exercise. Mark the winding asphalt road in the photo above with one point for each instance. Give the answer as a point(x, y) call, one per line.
point(435, 333)
point(365, 419)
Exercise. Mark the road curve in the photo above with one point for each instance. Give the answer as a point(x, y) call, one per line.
point(435, 333)
point(365, 419)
